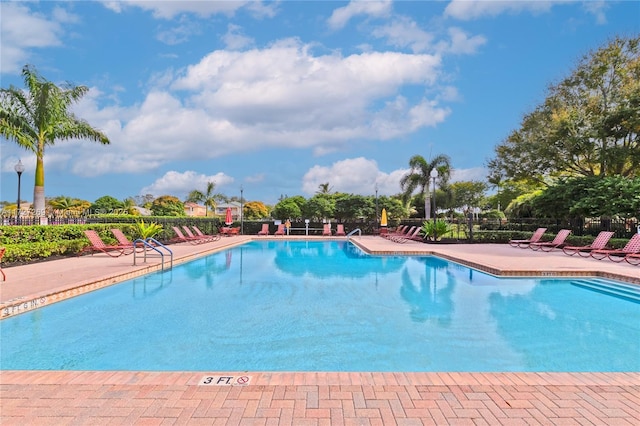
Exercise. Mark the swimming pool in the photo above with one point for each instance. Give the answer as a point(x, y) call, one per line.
point(327, 306)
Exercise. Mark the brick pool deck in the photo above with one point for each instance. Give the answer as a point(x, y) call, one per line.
point(269, 398)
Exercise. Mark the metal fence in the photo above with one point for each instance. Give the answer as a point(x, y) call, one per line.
point(623, 228)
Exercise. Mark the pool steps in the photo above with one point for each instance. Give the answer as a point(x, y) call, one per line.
point(619, 290)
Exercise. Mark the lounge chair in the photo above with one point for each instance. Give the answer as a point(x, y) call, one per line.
point(633, 259)
point(97, 245)
point(180, 237)
point(204, 236)
point(2, 251)
point(618, 255)
point(534, 239)
point(264, 230)
point(280, 230)
point(414, 235)
point(326, 231)
point(340, 230)
point(558, 242)
point(122, 239)
point(601, 241)
point(228, 231)
point(402, 231)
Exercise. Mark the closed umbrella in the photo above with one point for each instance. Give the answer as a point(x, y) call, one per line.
point(383, 219)
point(228, 220)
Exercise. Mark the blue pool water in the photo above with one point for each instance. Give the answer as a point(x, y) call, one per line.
point(326, 306)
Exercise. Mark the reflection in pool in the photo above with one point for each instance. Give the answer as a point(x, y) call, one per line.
point(327, 306)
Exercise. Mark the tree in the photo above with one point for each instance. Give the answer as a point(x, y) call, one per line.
point(208, 198)
point(324, 188)
point(167, 205)
point(107, 204)
point(467, 194)
point(39, 117)
point(420, 177)
point(318, 207)
point(589, 124)
point(254, 210)
point(288, 208)
point(350, 206)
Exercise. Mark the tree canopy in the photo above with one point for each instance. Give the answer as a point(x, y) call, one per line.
point(40, 116)
point(589, 124)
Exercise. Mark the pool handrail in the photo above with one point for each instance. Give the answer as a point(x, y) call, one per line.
point(155, 245)
point(358, 230)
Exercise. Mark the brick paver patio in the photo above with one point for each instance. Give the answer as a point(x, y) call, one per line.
point(158, 398)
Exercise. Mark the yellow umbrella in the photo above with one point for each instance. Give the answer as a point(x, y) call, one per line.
point(383, 219)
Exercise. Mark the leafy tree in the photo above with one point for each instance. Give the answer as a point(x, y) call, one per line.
point(589, 124)
point(255, 210)
point(144, 200)
point(419, 177)
point(106, 204)
point(350, 206)
point(167, 205)
point(208, 198)
point(467, 194)
point(287, 208)
point(590, 196)
point(318, 207)
point(36, 118)
point(396, 210)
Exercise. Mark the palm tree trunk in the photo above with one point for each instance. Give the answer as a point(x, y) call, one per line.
point(38, 188)
point(427, 205)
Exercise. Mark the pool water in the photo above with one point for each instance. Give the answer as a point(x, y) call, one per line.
point(327, 306)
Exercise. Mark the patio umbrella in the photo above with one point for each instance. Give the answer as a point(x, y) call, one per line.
point(383, 219)
point(228, 220)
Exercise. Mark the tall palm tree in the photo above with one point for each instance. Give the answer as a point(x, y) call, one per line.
point(420, 176)
point(207, 198)
point(324, 188)
point(38, 117)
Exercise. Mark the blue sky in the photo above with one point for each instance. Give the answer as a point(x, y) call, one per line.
point(280, 97)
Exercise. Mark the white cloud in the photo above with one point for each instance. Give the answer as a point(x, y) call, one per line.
point(23, 30)
point(180, 184)
point(597, 8)
point(404, 32)
point(179, 33)
point(171, 8)
point(234, 39)
point(355, 175)
point(278, 97)
point(472, 174)
point(461, 43)
point(341, 16)
point(467, 10)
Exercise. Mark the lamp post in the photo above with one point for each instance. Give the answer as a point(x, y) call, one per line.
point(377, 219)
point(434, 176)
point(19, 168)
point(241, 211)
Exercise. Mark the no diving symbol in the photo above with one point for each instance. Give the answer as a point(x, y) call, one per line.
point(225, 380)
point(243, 380)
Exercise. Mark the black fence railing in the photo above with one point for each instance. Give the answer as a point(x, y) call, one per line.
point(460, 228)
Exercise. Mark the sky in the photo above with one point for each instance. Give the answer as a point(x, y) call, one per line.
point(277, 98)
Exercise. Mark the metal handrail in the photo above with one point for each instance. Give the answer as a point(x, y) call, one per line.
point(155, 247)
point(358, 230)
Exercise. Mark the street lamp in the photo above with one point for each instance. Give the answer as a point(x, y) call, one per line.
point(19, 168)
point(434, 176)
point(241, 211)
point(377, 202)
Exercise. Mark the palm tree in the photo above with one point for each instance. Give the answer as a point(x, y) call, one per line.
point(324, 188)
point(40, 116)
point(420, 176)
point(207, 198)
